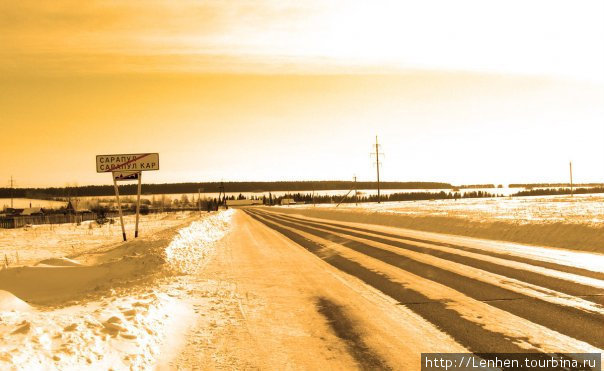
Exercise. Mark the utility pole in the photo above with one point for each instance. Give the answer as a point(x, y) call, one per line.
point(12, 187)
point(199, 199)
point(571, 178)
point(222, 192)
point(377, 166)
point(354, 187)
point(356, 198)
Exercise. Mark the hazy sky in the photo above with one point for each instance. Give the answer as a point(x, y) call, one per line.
point(463, 91)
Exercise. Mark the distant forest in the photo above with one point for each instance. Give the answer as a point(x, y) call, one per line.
point(558, 191)
point(553, 185)
point(302, 191)
point(418, 196)
point(212, 187)
point(406, 196)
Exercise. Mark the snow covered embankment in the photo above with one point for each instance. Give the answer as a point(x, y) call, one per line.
point(567, 235)
point(188, 250)
point(117, 332)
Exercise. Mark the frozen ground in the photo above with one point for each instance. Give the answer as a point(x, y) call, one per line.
point(28, 245)
point(112, 308)
point(558, 221)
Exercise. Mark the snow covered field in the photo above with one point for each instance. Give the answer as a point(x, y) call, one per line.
point(558, 221)
point(44, 241)
point(579, 209)
point(111, 308)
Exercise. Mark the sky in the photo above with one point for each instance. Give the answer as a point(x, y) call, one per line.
point(464, 92)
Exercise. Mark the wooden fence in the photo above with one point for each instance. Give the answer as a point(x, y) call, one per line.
point(21, 221)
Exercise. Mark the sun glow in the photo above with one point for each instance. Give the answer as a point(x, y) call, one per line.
point(515, 37)
point(496, 88)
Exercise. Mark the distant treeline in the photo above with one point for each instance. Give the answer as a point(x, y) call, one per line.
point(418, 196)
point(212, 187)
point(553, 185)
point(466, 186)
point(402, 196)
point(558, 191)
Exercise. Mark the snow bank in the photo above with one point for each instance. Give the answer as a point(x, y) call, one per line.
point(189, 248)
point(124, 333)
point(568, 235)
point(25, 246)
point(59, 262)
point(119, 320)
point(9, 302)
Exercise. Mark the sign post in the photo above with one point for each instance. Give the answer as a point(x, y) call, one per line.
point(119, 207)
point(127, 167)
point(138, 204)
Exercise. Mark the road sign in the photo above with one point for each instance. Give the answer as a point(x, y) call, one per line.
point(127, 167)
point(128, 162)
point(126, 175)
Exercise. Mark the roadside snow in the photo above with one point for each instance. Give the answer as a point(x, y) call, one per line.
point(192, 244)
point(128, 327)
point(121, 333)
point(23, 246)
point(575, 223)
point(586, 209)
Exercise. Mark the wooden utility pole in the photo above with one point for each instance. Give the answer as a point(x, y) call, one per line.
point(12, 187)
point(571, 178)
point(354, 188)
point(377, 166)
point(356, 198)
point(222, 192)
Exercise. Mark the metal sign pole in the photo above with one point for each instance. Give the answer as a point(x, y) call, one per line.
point(138, 203)
point(119, 206)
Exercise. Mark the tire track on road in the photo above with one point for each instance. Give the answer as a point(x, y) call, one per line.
point(471, 335)
point(569, 321)
point(345, 329)
point(584, 291)
point(520, 259)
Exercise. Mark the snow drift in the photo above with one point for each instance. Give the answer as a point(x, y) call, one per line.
point(188, 249)
point(103, 310)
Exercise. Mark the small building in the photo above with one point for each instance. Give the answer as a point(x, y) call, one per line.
point(71, 209)
point(9, 211)
point(288, 201)
point(32, 211)
point(243, 202)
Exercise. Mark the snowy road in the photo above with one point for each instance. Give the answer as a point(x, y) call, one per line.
point(290, 292)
